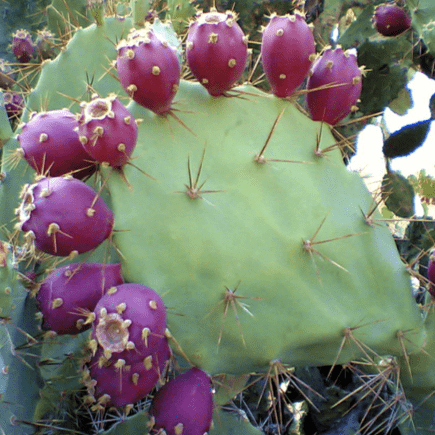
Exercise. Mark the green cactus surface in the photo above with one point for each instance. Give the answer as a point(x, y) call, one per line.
point(423, 15)
point(253, 207)
point(270, 255)
point(20, 379)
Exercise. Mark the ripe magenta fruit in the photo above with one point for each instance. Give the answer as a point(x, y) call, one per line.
point(51, 146)
point(149, 69)
point(69, 292)
point(390, 20)
point(334, 86)
point(130, 322)
point(184, 405)
point(287, 50)
point(118, 382)
point(22, 46)
point(107, 130)
point(216, 50)
point(63, 215)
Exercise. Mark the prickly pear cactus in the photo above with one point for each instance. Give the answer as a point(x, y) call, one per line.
point(267, 255)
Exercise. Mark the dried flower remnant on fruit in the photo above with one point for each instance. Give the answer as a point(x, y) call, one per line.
point(107, 130)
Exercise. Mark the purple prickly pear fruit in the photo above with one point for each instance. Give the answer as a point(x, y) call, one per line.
point(339, 78)
point(51, 146)
point(431, 275)
point(63, 216)
point(107, 130)
point(7, 75)
point(130, 322)
point(390, 20)
point(148, 69)
point(287, 50)
point(14, 104)
point(184, 405)
point(68, 295)
point(22, 46)
point(216, 50)
point(118, 382)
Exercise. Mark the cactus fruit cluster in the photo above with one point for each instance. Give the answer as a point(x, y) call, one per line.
point(174, 236)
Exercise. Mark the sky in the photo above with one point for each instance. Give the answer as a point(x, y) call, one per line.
point(369, 160)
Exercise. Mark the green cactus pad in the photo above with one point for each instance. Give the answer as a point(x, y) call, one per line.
point(180, 13)
point(398, 194)
point(229, 423)
point(423, 15)
point(5, 126)
point(64, 16)
point(138, 423)
point(20, 380)
point(246, 236)
point(61, 79)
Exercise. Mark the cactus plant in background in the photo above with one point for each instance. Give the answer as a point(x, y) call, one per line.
point(391, 20)
point(252, 251)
